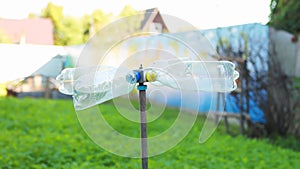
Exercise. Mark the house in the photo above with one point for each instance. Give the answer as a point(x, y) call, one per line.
point(41, 83)
point(19, 61)
point(153, 21)
point(30, 31)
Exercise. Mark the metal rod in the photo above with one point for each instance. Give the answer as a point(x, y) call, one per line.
point(143, 118)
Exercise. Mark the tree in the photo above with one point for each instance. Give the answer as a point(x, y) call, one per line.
point(100, 19)
point(285, 15)
point(93, 23)
point(55, 13)
point(128, 11)
point(269, 87)
point(132, 24)
point(88, 27)
point(67, 30)
point(73, 31)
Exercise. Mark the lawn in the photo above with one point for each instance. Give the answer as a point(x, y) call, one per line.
point(38, 133)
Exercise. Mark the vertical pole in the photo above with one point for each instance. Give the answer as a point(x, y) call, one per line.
point(47, 88)
point(242, 130)
point(221, 97)
point(218, 109)
point(143, 117)
point(221, 103)
point(247, 92)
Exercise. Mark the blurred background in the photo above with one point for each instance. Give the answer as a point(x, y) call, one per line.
point(38, 39)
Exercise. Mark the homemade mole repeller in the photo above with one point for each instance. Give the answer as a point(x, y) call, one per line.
point(102, 75)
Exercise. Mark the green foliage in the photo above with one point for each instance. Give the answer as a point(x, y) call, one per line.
point(128, 11)
point(132, 24)
point(296, 86)
point(224, 47)
point(285, 15)
point(55, 13)
point(4, 38)
point(46, 134)
point(246, 45)
point(33, 16)
point(296, 82)
point(99, 19)
point(73, 31)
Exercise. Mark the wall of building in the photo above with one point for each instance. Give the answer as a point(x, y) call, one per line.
point(298, 58)
point(286, 51)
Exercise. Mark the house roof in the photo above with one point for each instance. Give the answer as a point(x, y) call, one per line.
point(32, 31)
point(153, 16)
point(170, 24)
point(52, 68)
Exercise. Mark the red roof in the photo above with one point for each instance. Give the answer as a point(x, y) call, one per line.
point(35, 31)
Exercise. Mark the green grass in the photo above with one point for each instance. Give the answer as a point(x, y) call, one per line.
point(46, 134)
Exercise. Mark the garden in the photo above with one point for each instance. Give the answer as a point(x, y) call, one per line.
point(41, 133)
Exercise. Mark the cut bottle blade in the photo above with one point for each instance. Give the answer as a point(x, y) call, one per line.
point(209, 76)
point(94, 85)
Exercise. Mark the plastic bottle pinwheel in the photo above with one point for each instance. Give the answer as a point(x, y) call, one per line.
point(106, 83)
point(104, 71)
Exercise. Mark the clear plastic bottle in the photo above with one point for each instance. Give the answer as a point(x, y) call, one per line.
point(92, 86)
point(95, 85)
point(210, 76)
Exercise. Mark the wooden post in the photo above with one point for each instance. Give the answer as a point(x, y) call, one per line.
point(217, 111)
point(226, 124)
point(143, 117)
point(220, 97)
point(222, 100)
point(47, 88)
point(247, 110)
point(242, 118)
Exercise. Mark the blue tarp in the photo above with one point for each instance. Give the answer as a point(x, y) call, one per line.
point(257, 44)
point(257, 39)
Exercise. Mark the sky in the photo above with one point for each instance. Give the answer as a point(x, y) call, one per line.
point(203, 14)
